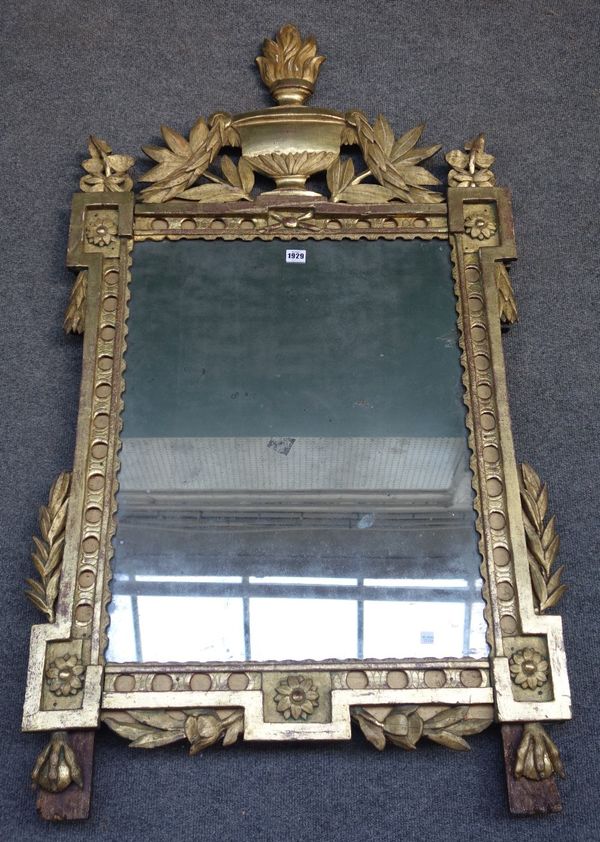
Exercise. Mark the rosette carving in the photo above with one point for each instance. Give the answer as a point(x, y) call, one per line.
point(529, 668)
point(296, 697)
point(480, 226)
point(65, 675)
point(101, 231)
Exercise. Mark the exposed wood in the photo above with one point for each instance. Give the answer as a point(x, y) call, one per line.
point(525, 797)
point(72, 803)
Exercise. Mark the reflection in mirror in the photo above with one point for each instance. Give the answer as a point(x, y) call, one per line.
point(295, 477)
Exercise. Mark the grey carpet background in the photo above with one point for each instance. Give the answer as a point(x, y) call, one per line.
point(527, 74)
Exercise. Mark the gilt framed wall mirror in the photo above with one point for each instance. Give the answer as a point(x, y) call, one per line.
point(294, 504)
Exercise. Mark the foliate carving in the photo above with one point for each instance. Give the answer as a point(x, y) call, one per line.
point(506, 297)
point(296, 697)
point(48, 554)
point(392, 163)
point(289, 66)
point(537, 756)
point(75, 315)
point(64, 676)
point(106, 172)
point(56, 767)
point(528, 668)
point(280, 164)
point(542, 540)
point(472, 167)
point(154, 728)
point(183, 162)
point(406, 724)
point(291, 142)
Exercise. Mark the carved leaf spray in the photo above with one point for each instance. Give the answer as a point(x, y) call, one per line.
point(48, 554)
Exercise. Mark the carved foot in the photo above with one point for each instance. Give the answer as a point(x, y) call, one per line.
point(56, 767)
point(531, 760)
point(63, 773)
point(537, 756)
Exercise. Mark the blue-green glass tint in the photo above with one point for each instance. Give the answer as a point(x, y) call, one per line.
point(294, 472)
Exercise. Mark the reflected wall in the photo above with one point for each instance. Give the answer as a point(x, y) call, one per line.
point(295, 477)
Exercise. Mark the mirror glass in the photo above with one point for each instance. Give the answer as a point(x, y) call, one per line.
point(294, 478)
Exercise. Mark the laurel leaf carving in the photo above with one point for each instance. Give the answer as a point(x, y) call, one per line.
point(183, 162)
point(404, 726)
point(542, 540)
point(75, 315)
point(48, 554)
point(506, 297)
point(393, 163)
point(153, 728)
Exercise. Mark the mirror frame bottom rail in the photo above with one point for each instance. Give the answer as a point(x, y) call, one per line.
point(70, 688)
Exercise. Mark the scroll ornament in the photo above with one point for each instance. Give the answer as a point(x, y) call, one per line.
point(48, 554)
point(406, 724)
point(153, 728)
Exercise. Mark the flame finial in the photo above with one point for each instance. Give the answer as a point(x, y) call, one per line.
point(289, 66)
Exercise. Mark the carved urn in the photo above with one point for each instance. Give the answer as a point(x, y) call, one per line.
point(290, 141)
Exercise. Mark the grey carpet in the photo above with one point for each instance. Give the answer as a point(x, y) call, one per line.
point(527, 74)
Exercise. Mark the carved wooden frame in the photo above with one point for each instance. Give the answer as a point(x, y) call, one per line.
point(70, 687)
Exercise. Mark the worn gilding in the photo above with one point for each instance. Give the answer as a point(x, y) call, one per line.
point(196, 192)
